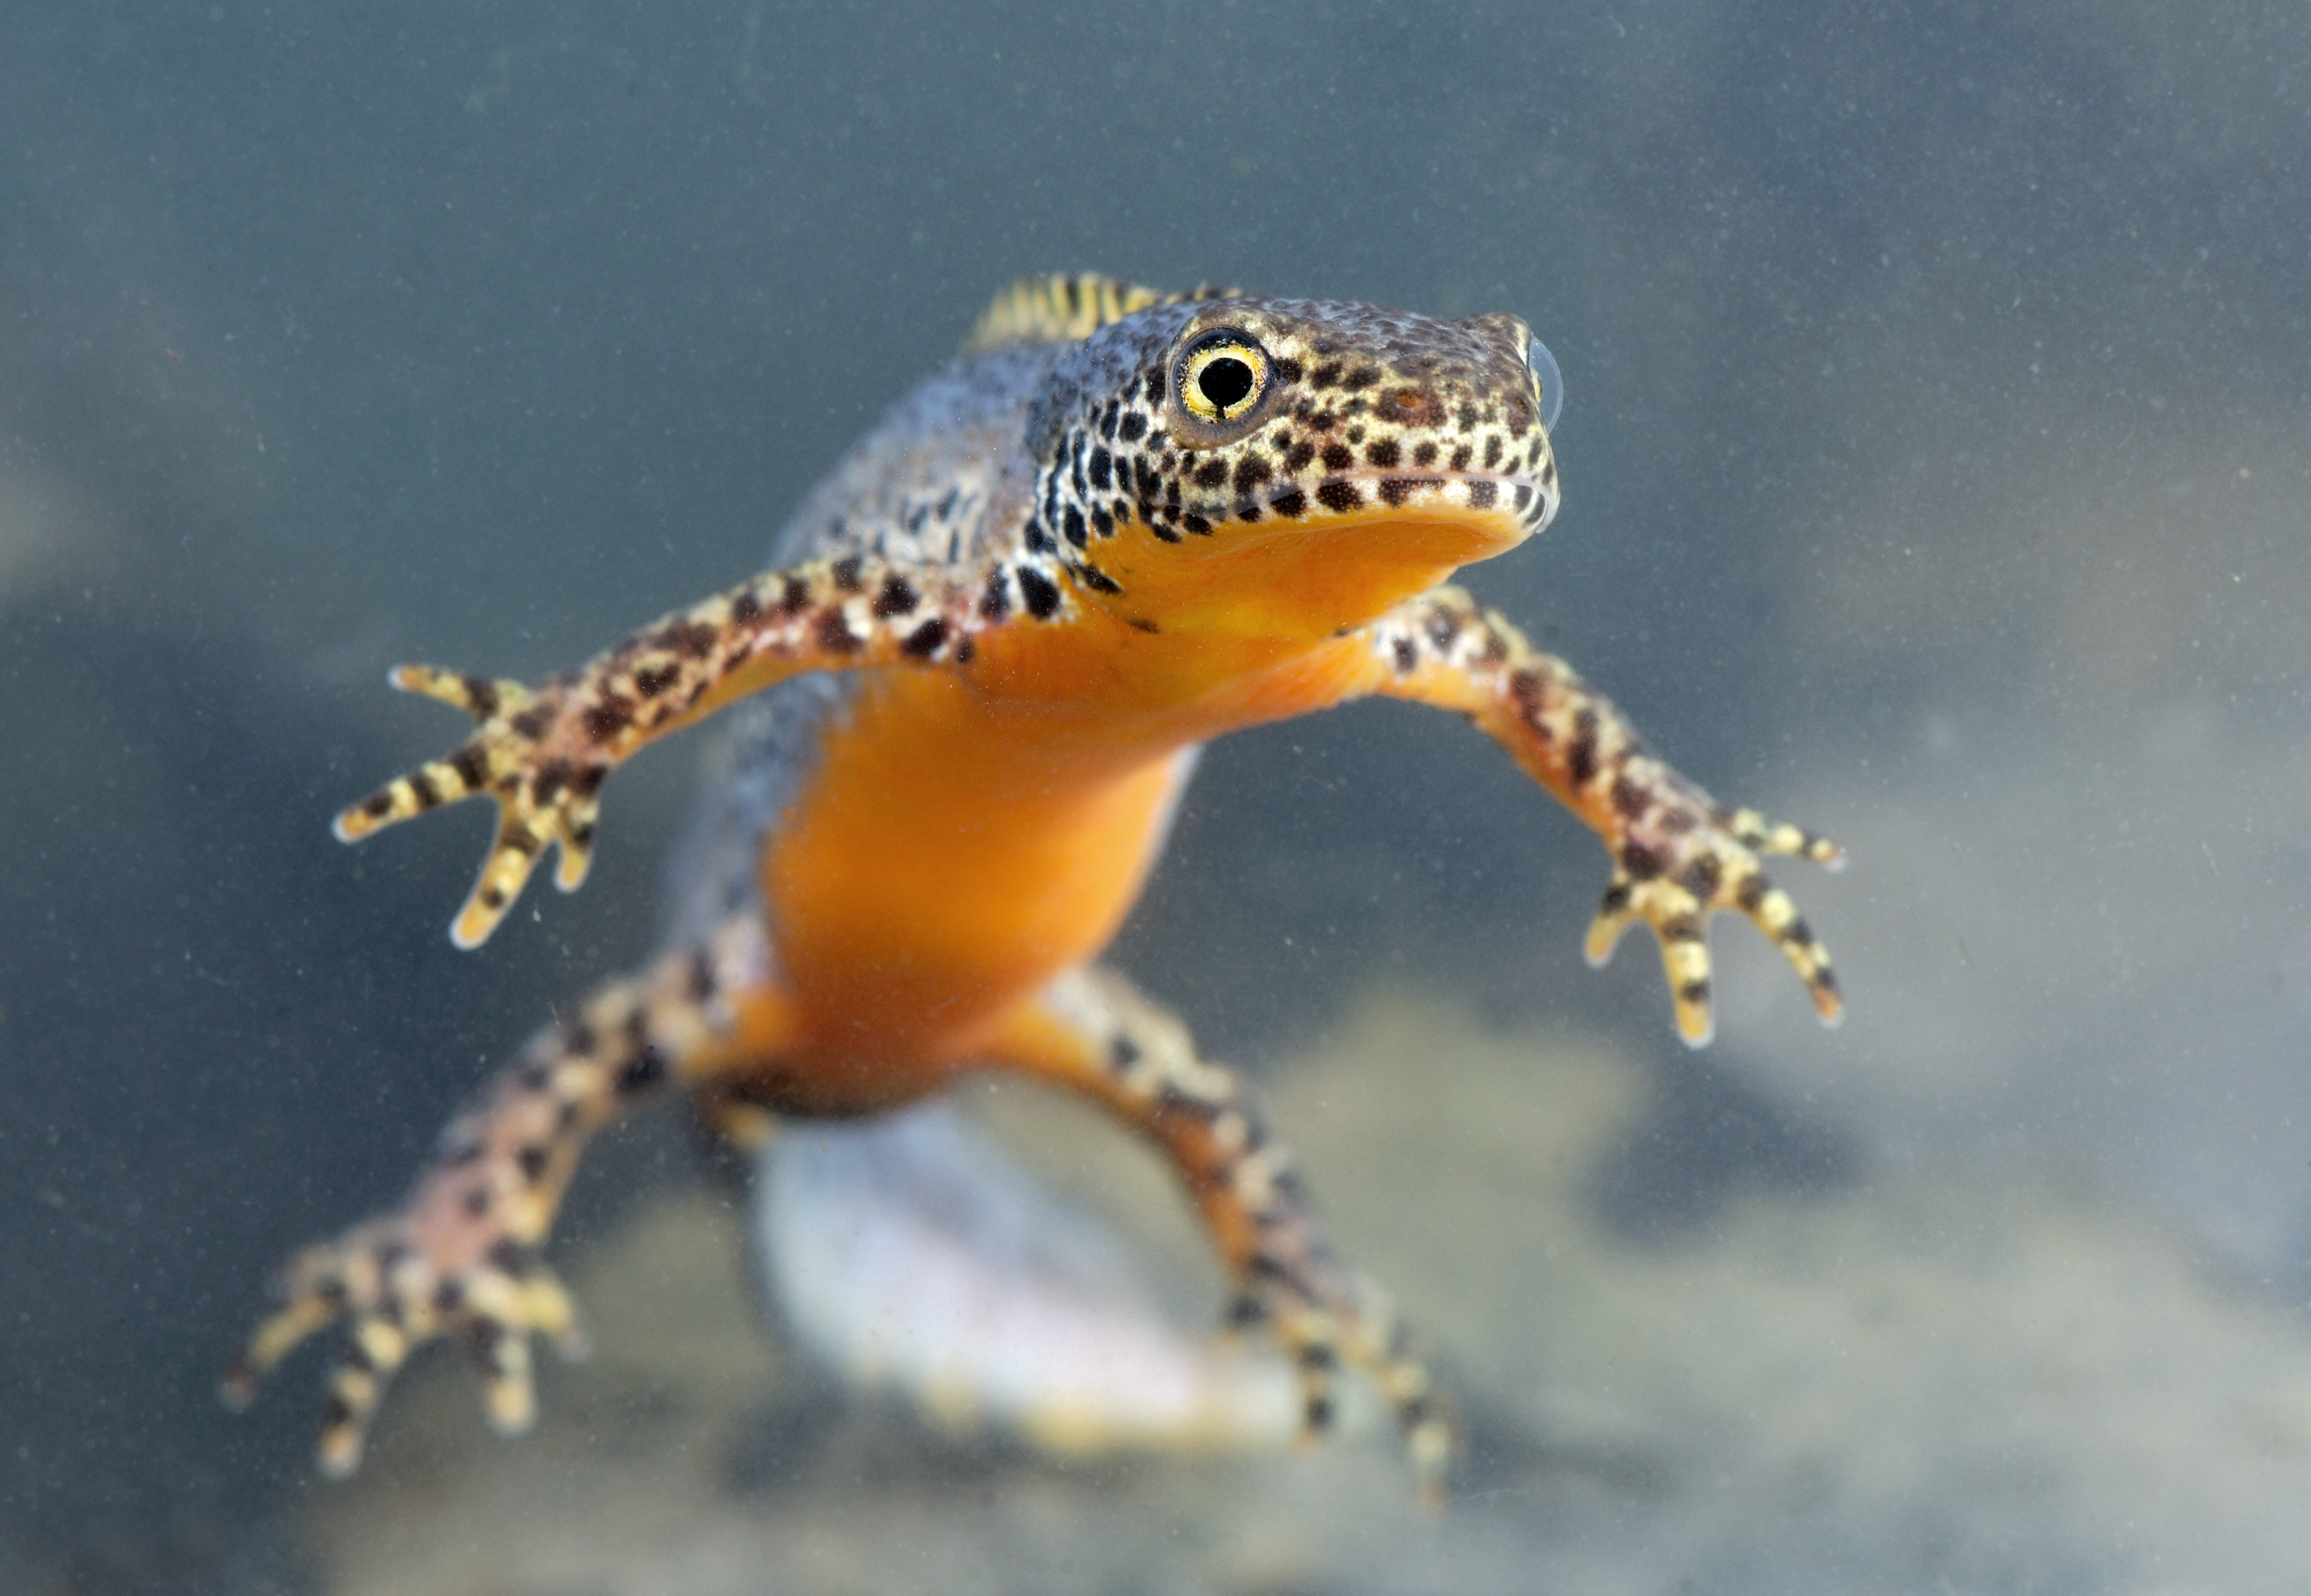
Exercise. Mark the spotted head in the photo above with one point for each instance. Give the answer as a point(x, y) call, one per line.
point(1287, 465)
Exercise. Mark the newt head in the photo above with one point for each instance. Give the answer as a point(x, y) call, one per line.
point(1288, 467)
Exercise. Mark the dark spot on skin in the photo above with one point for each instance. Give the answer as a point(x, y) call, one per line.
point(1363, 377)
point(1122, 1052)
point(1702, 876)
point(1324, 376)
point(423, 791)
point(1162, 531)
point(520, 842)
point(480, 696)
point(1242, 1313)
point(1547, 472)
point(1100, 469)
point(472, 769)
point(1040, 592)
point(447, 1295)
point(552, 777)
point(1681, 928)
point(532, 1160)
point(1132, 427)
point(690, 639)
point(1074, 527)
point(1355, 434)
point(1383, 452)
point(654, 679)
point(477, 1202)
point(835, 635)
point(1693, 992)
point(587, 781)
point(1296, 457)
point(1247, 513)
point(1291, 506)
point(1631, 799)
point(1338, 456)
point(794, 595)
point(703, 983)
point(898, 598)
point(1262, 1266)
point(1582, 756)
point(966, 652)
point(924, 641)
point(1425, 455)
point(1102, 523)
point(1825, 979)
point(1797, 933)
point(1617, 898)
point(1287, 370)
point(1211, 474)
point(1407, 656)
point(1038, 541)
point(745, 609)
point(1524, 496)
point(493, 898)
point(1252, 471)
point(377, 805)
point(1641, 862)
point(1395, 490)
point(1338, 495)
point(644, 1070)
point(1481, 494)
point(846, 571)
point(1316, 1355)
point(1196, 524)
point(1096, 579)
point(1492, 451)
point(1461, 458)
point(1751, 892)
point(511, 1259)
point(336, 1413)
point(1320, 1413)
point(995, 600)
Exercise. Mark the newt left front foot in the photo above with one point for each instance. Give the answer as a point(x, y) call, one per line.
point(1678, 860)
point(1678, 856)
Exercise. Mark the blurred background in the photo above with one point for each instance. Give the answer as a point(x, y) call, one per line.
point(1939, 379)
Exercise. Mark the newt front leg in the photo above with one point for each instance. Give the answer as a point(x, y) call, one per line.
point(543, 752)
point(1678, 855)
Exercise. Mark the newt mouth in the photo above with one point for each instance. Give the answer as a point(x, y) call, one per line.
point(1524, 501)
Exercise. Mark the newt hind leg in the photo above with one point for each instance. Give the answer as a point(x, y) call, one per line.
point(1093, 1032)
point(459, 1260)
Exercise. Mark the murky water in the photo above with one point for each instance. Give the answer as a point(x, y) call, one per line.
point(1934, 475)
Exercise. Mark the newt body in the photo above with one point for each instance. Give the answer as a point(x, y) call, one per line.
point(978, 673)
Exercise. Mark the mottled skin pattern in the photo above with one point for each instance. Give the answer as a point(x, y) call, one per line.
point(1125, 524)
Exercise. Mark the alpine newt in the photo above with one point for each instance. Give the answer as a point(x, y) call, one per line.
point(1122, 523)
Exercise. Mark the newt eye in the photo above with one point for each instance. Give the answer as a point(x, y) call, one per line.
point(1220, 376)
point(1552, 382)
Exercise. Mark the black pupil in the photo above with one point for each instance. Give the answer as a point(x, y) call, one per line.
point(1225, 381)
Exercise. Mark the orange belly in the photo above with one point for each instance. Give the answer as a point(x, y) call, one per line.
point(964, 837)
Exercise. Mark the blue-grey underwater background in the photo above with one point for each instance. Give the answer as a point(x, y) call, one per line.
point(1939, 379)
